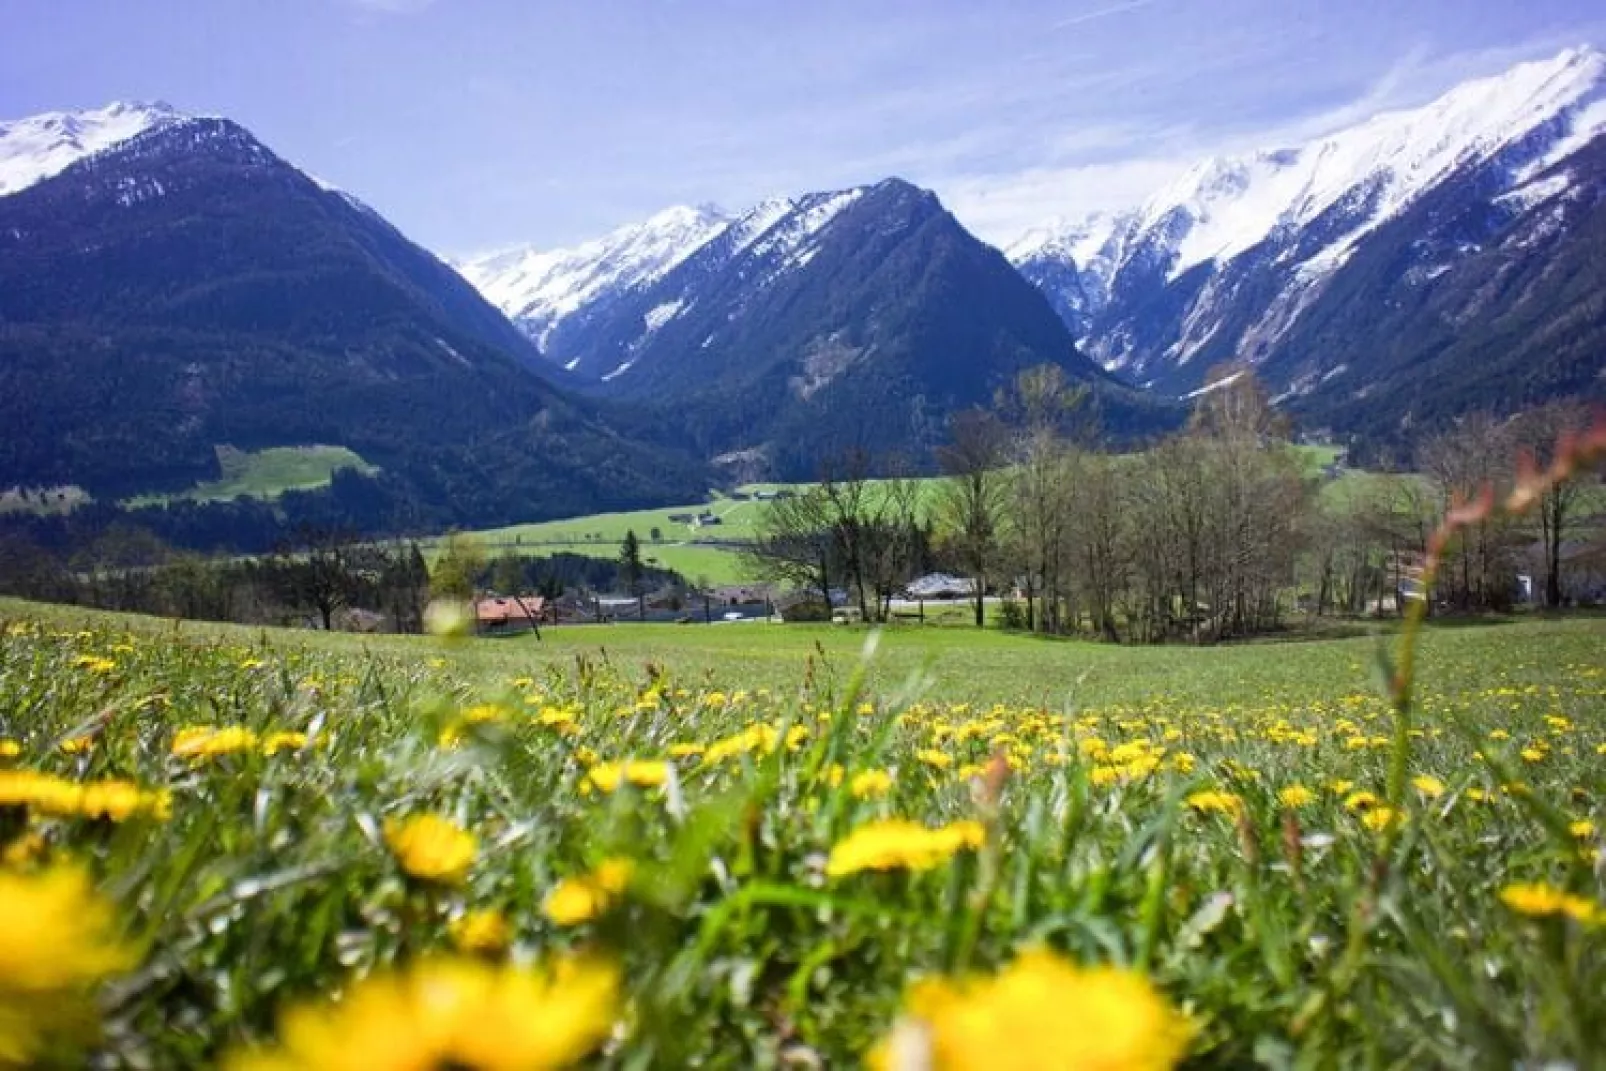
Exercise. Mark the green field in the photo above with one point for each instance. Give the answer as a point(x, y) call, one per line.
point(265, 474)
point(1274, 869)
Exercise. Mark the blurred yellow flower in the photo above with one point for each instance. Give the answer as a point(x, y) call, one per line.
point(465, 1014)
point(431, 848)
point(9, 749)
point(57, 797)
point(1039, 1012)
point(871, 784)
point(898, 844)
point(932, 757)
point(1382, 818)
point(1429, 786)
point(576, 900)
point(56, 946)
point(210, 741)
point(1215, 802)
point(484, 932)
point(1296, 796)
point(608, 776)
point(1583, 828)
point(283, 741)
point(1538, 900)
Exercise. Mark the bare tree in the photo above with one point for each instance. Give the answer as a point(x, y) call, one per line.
point(1537, 432)
point(971, 503)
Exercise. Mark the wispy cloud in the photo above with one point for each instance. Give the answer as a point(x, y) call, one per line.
point(1100, 13)
point(390, 7)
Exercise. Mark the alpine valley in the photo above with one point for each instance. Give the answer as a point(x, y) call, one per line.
point(170, 287)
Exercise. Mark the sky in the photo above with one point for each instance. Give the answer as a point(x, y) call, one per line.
point(481, 124)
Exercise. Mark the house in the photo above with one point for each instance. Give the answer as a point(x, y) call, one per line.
point(941, 586)
point(682, 518)
point(496, 615)
point(705, 518)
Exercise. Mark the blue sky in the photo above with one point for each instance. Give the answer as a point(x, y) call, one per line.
point(473, 124)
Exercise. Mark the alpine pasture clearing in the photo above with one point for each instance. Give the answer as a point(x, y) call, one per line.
point(725, 846)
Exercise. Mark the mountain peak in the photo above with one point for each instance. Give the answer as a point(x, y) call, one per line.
point(40, 146)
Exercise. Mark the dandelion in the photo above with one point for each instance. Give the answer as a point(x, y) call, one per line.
point(1538, 900)
point(485, 932)
point(9, 749)
point(898, 844)
point(1429, 786)
point(459, 1013)
point(1040, 1012)
point(1380, 819)
point(1296, 796)
point(871, 784)
point(581, 899)
point(940, 760)
point(78, 745)
point(1582, 828)
point(57, 946)
point(283, 741)
point(210, 742)
point(1211, 802)
point(1360, 801)
point(431, 848)
point(1533, 754)
point(95, 664)
point(608, 776)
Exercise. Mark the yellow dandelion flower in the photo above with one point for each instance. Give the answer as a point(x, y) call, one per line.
point(686, 751)
point(1340, 787)
point(94, 663)
point(274, 743)
point(1360, 801)
point(1429, 786)
point(1538, 900)
point(9, 749)
point(871, 784)
point(460, 1013)
point(608, 776)
point(1583, 828)
point(1533, 754)
point(58, 945)
point(1039, 1012)
point(78, 745)
point(1381, 818)
point(210, 741)
point(484, 932)
point(576, 900)
point(1209, 802)
point(940, 760)
point(898, 844)
point(431, 848)
point(1296, 796)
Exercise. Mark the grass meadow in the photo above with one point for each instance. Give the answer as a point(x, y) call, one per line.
point(793, 846)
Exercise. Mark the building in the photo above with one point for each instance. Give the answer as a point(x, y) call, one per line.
point(498, 615)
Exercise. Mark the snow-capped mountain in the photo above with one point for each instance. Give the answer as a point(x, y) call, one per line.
point(1224, 262)
point(184, 287)
point(848, 317)
point(40, 146)
point(538, 289)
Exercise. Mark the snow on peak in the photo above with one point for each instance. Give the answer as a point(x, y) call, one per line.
point(1224, 206)
point(543, 287)
point(789, 239)
point(40, 146)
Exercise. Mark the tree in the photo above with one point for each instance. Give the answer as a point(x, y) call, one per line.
point(507, 574)
point(971, 502)
point(630, 570)
point(317, 572)
point(457, 569)
point(792, 543)
point(1538, 432)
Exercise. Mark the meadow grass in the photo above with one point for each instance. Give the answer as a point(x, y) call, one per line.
point(1133, 806)
point(265, 474)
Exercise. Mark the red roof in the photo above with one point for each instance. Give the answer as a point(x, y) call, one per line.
point(498, 609)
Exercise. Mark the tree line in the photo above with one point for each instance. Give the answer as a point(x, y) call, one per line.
point(1223, 530)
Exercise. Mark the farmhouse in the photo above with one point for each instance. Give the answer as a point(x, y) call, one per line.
point(499, 614)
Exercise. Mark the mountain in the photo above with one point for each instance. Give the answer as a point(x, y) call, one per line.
point(183, 287)
point(1244, 258)
point(539, 290)
point(850, 318)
